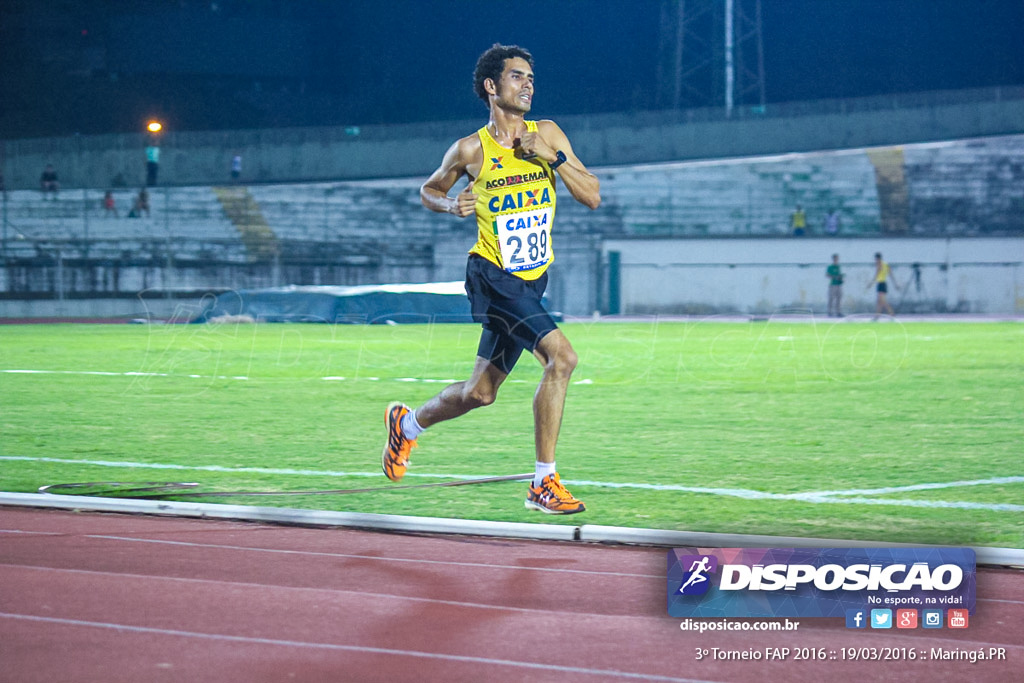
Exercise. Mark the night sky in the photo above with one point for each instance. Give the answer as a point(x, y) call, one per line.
point(94, 66)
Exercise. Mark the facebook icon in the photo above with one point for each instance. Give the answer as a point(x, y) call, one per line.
point(856, 618)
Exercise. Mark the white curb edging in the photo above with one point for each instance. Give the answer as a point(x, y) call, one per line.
point(594, 533)
point(698, 539)
point(362, 520)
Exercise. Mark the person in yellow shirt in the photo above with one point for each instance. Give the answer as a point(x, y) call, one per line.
point(883, 273)
point(798, 221)
point(510, 164)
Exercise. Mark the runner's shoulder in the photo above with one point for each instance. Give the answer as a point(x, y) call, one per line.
point(552, 133)
point(469, 146)
point(545, 125)
point(465, 153)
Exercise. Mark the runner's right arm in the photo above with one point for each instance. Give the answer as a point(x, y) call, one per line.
point(462, 158)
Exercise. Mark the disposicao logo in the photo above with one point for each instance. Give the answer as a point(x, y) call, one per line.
point(818, 582)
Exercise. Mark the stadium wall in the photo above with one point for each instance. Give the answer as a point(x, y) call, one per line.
point(666, 276)
point(767, 276)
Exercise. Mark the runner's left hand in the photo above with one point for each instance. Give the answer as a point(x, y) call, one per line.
point(532, 145)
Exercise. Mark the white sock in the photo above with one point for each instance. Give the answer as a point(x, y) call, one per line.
point(410, 427)
point(542, 469)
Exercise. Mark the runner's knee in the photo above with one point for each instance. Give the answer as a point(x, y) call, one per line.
point(477, 397)
point(563, 361)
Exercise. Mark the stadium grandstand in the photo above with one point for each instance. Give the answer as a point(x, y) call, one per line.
point(284, 223)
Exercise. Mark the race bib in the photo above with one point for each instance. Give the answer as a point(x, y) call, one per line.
point(524, 239)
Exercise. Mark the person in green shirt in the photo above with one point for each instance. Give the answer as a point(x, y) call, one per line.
point(835, 287)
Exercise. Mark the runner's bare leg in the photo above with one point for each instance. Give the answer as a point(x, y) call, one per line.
point(559, 360)
point(461, 397)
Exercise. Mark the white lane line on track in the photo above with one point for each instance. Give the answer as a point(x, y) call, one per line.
point(366, 594)
point(843, 497)
point(455, 603)
point(349, 556)
point(222, 637)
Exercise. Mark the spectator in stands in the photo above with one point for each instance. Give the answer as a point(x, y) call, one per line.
point(832, 222)
point(883, 273)
point(48, 181)
point(798, 222)
point(236, 167)
point(109, 205)
point(140, 205)
point(835, 287)
point(505, 282)
point(152, 162)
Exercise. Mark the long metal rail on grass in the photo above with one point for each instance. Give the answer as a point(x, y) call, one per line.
point(155, 490)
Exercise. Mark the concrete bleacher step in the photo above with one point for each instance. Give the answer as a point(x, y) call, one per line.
point(246, 216)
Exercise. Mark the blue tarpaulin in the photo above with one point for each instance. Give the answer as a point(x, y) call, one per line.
point(364, 304)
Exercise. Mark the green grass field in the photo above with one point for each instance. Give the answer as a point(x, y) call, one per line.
point(887, 432)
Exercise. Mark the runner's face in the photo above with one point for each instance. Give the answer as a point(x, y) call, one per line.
point(514, 90)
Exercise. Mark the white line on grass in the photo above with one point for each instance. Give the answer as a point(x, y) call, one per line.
point(330, 378)
point(847, 497)
point(919, 487)
point(221, 468)
point(910, 502)
point(117, 374)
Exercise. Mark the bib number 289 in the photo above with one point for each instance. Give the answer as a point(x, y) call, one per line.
point(524, 239)
point(536, 245)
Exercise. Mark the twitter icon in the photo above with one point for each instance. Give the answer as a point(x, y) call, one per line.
point(881, 618)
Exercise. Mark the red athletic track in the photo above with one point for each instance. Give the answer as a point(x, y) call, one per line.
point(109, 598)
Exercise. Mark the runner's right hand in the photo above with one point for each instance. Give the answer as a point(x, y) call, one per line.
point(465, 203)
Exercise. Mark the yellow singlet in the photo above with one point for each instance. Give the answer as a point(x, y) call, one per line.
point(883, 273)
point(515, 209)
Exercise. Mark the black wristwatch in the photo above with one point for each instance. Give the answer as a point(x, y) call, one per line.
point(557, 162)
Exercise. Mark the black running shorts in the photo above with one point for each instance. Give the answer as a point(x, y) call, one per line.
point(509, 309)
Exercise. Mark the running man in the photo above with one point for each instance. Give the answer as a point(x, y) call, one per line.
point(882, 274)
point(510, 164)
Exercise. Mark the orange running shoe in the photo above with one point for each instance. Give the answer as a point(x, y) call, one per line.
point(395, 458)
point(552, 498)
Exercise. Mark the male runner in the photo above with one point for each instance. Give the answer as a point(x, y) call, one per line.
point(510, 164)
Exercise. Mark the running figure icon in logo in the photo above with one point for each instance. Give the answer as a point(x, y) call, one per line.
point(696, 582)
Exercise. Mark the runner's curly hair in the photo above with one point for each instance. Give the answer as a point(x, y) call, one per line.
point(492, 63)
